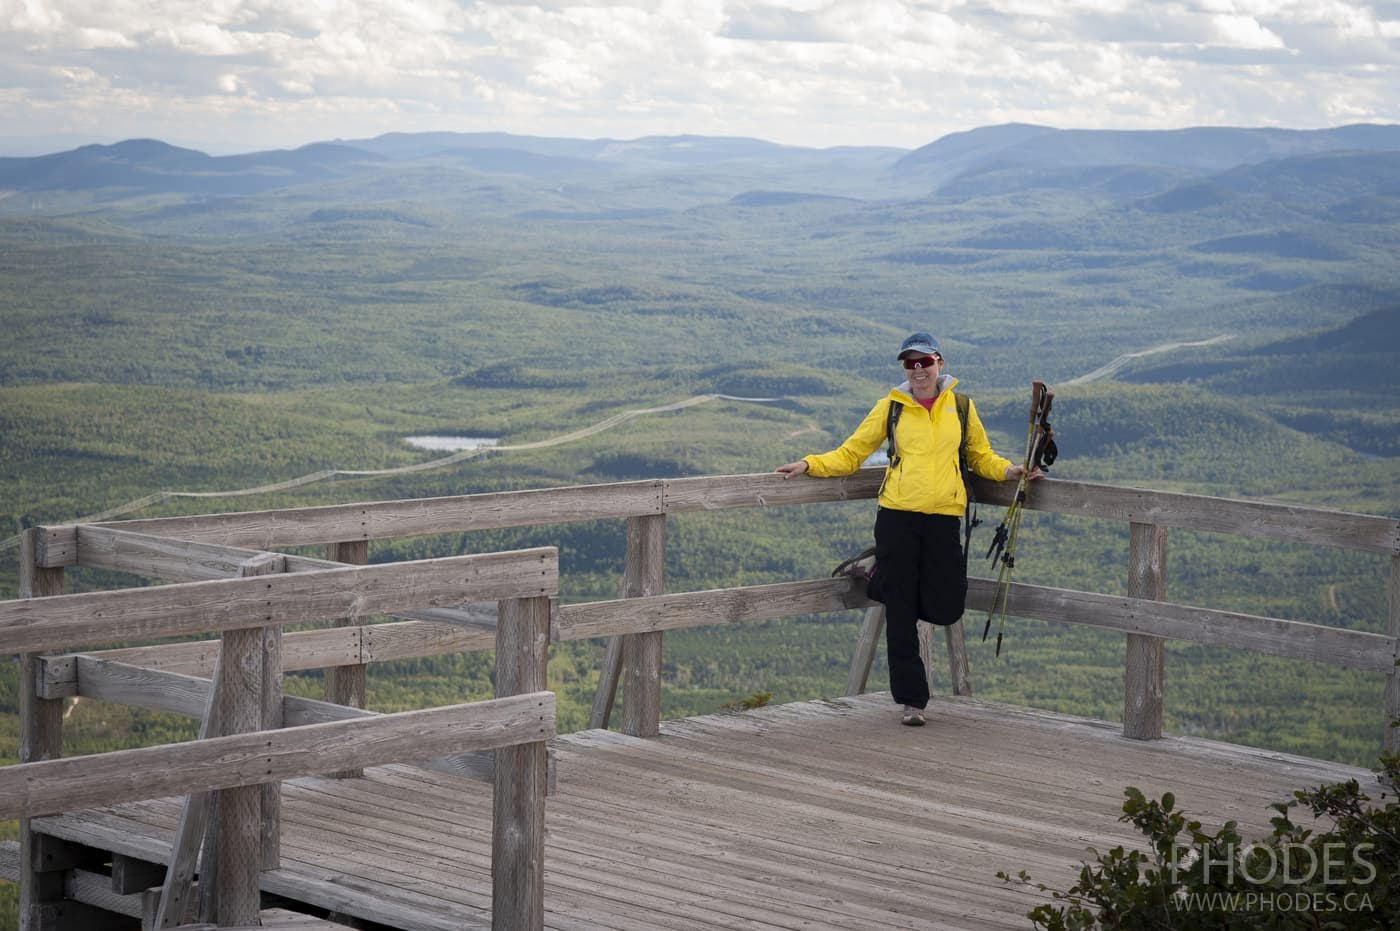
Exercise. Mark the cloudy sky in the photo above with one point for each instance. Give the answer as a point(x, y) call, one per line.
point(240, 74)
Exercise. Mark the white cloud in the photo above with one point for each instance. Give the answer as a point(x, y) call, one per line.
point(1240, 31)
point(819, 72)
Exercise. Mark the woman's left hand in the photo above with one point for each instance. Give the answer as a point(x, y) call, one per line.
point(1015, 472)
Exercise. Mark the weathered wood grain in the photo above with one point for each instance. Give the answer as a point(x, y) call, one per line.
point(40, 729)
point(200, 607)
point(1348, 648)
point(187, 695)
point(53, 786)
point(867, 643)
point(1263, 520)
point(1143, 678)
point(1352, 649)
point(387, 519)
point(521, 777)
point(643, 575)
point(827, 816)
point(715, 606)
point(303, 649)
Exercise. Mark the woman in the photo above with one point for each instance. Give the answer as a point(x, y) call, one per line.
point(922, 571)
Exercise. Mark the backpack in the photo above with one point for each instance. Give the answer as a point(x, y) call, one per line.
point(862, 565)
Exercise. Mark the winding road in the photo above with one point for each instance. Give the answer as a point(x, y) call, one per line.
point(1104, 371)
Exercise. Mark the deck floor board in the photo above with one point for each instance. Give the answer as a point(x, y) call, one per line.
point(816, 815)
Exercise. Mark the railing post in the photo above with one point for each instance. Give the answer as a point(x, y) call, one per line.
point(346, 685)
point(608, 675)
point(270, 719)
point(1390, 742)
point(867, 643)
point(959, 670)
point(40, 738)
point(241, 691)
point(643, 575)
point(521, 773)
point(271, 855)
point(1143, 675)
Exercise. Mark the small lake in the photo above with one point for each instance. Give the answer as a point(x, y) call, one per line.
point(450, 443)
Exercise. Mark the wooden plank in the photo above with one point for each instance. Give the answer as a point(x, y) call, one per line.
point(378, 520)
point(132, 874)
point(1352, 649)
point(644, 575)
point(176, 693)
point(766, 489)
point(199, 607)
point(783, 817)
point(517, 820)
point(347, 685)
point(609, 675)
point(278, 919)
point(1295, 639)
point(302, 649)
point(1261, 520)
point(302, 878)
point(716, 606)
point(491, 510)
point(412, 639)
point(959, 669)
point(185, 561)
point(96, 889)
point(1144, 655)
point(271, 713)
point(158, 557)
point(242, 698)
point(53, 786)
point(389, 519)
point(139, 687)
point(40, 733)
point(867, 643)
point(176, 898)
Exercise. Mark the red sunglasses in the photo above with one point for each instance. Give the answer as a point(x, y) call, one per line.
point(920, 362)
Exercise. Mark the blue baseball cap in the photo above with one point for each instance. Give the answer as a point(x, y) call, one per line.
point(921, 343)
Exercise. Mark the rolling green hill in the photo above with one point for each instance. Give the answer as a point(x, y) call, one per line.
point(166, 338)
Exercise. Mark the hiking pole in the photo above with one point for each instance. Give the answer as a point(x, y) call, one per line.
point(1002, 533)
point(1040, 451)
point(1001, 537)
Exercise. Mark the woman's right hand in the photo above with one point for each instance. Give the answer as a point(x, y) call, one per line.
point(792, 468)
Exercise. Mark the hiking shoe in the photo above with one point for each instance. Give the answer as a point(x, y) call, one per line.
point(914, 717)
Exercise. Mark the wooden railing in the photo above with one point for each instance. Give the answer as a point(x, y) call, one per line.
point(216, 558)
point(248, 742)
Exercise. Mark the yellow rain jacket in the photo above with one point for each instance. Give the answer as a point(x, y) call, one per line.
point(926, 478)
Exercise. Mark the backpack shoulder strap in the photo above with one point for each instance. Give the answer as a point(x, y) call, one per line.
point(960, 400)
point(891, 419)
point(970, 518)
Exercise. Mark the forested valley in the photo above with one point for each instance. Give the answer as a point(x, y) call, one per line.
point(1225, 325)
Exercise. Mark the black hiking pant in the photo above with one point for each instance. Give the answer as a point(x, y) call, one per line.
point(922, 575)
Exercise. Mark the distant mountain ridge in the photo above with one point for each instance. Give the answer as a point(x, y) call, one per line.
point(1004, 157)
point(1202, 149)
point(150, 166)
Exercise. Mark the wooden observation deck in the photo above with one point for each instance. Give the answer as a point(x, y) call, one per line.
point(814, 815)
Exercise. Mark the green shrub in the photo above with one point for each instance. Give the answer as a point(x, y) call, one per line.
point(1299, 877)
